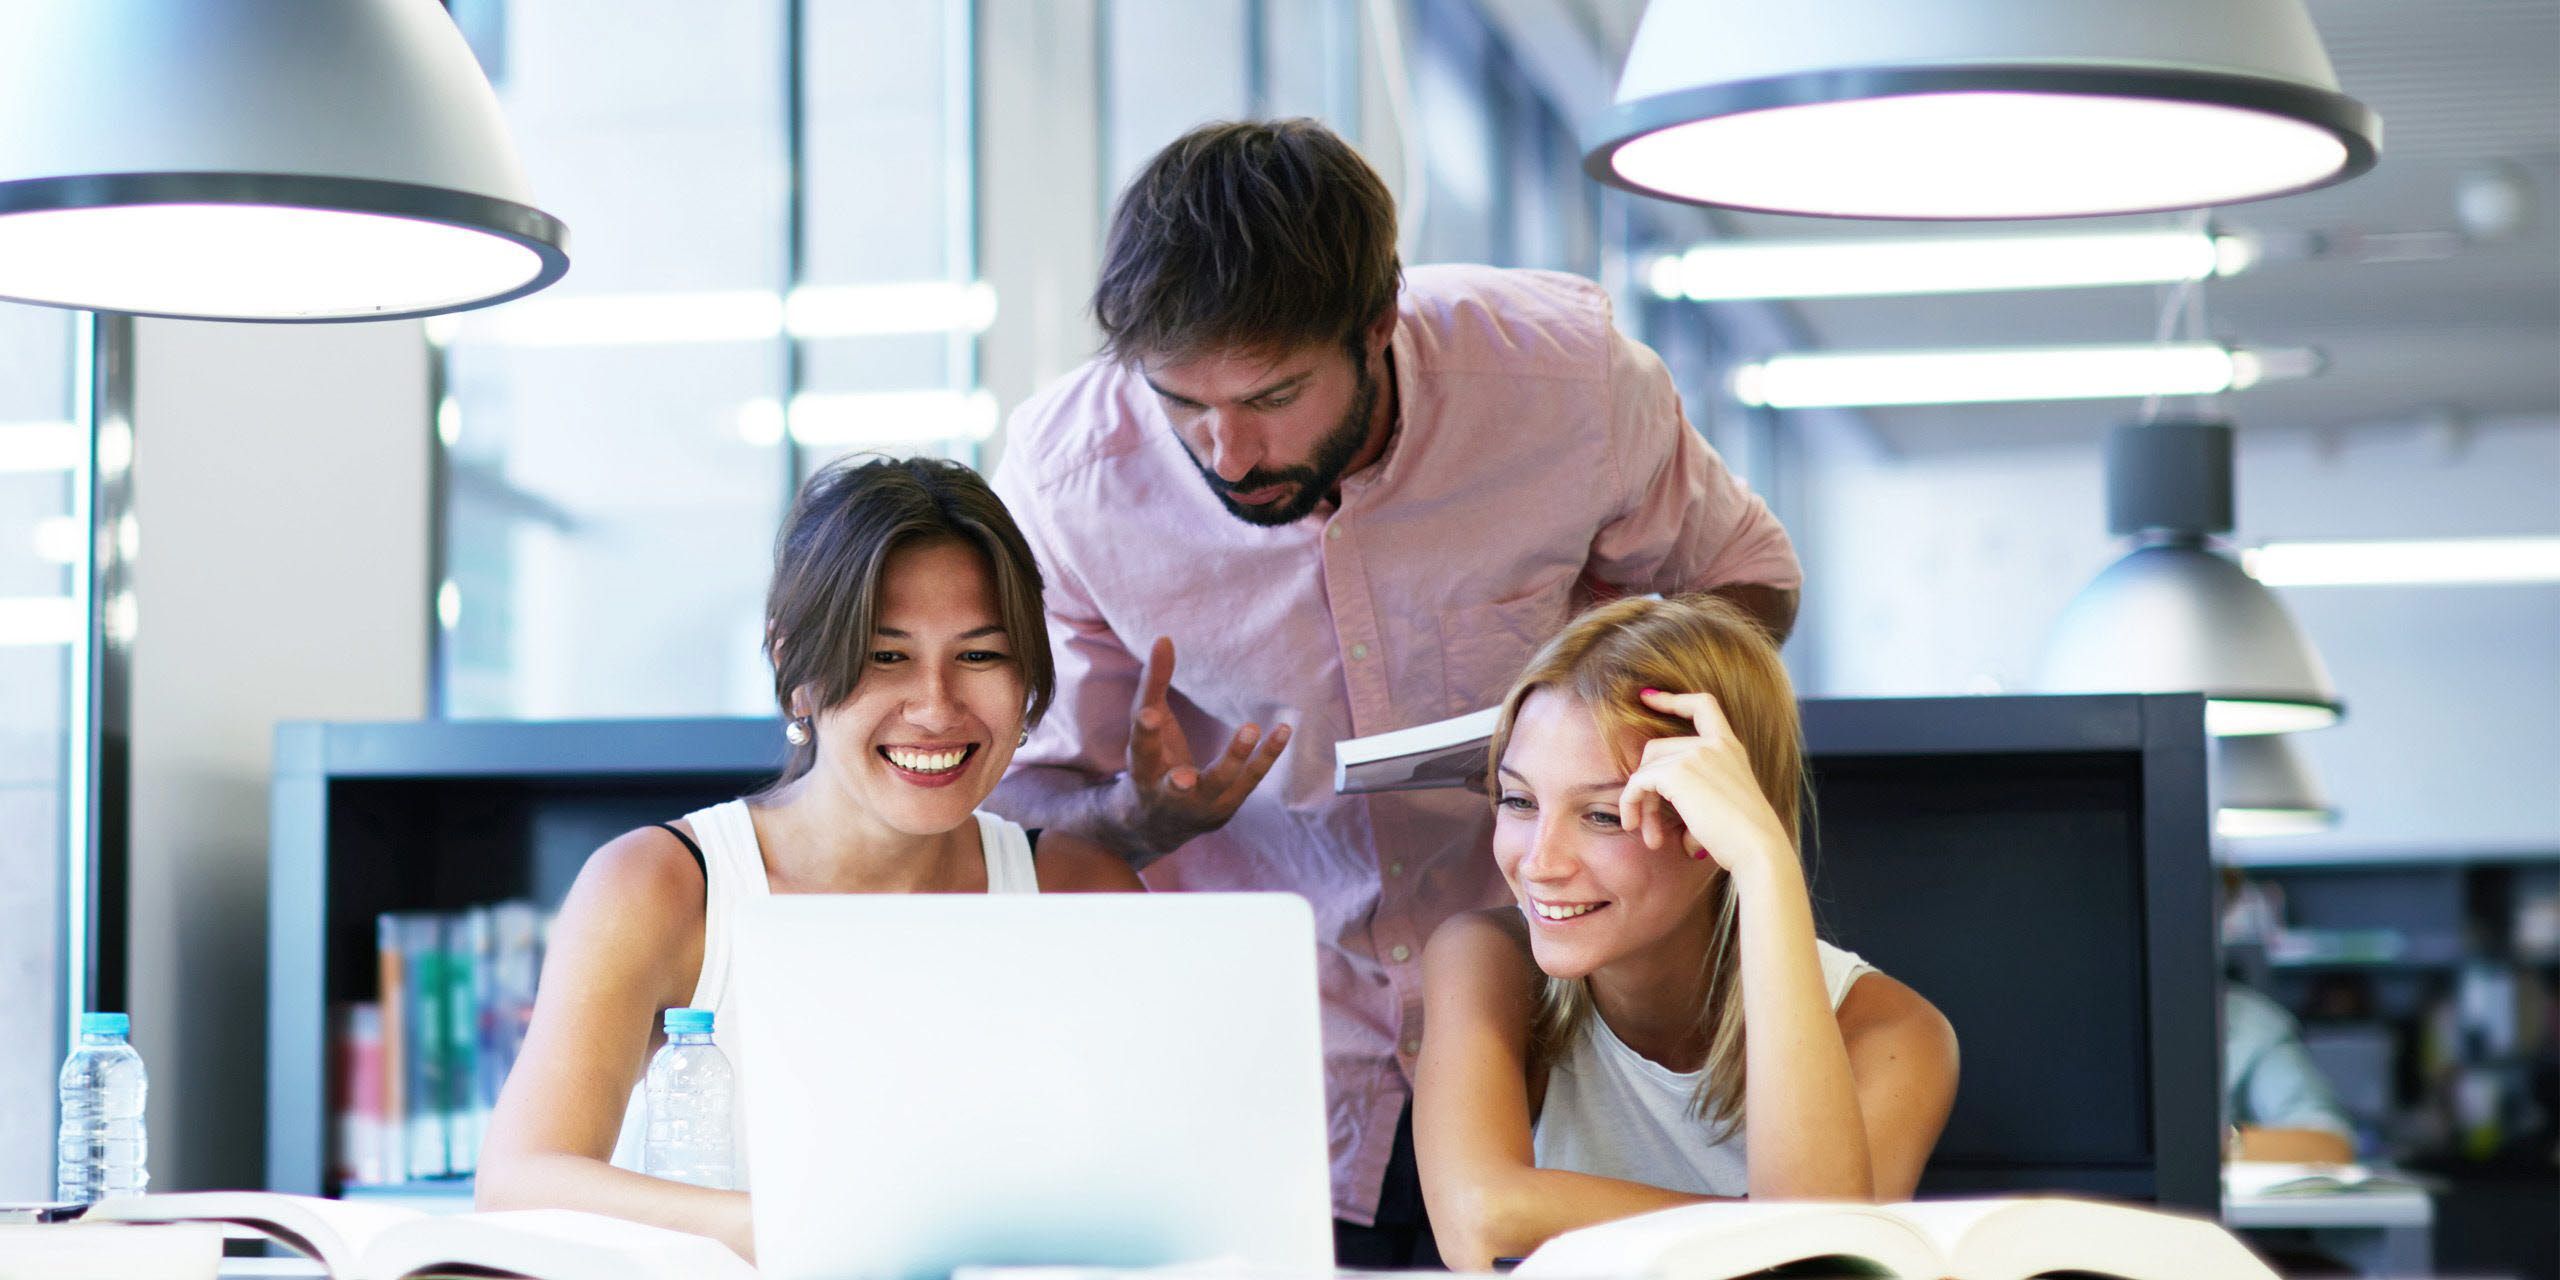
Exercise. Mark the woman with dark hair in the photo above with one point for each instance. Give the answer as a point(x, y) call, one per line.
point(1655, 1022)
point(910, 658)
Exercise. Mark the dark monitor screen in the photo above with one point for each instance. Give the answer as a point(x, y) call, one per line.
point(2016, 881)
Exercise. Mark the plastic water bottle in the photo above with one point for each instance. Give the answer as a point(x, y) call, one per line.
point(100, 1149)
point(690, 1088)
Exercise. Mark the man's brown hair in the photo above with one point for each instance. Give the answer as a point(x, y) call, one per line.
point(1260, 235)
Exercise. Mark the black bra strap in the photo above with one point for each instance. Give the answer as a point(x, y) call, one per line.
point(1031, 836)
point(689, 847)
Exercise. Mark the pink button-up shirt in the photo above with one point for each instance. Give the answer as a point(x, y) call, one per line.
point(1540, 459)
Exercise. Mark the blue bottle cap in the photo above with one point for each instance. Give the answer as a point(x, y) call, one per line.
point(105, 1024)
point(688, 1022)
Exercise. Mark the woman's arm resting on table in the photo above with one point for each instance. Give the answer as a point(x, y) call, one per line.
point(628, 943)
point(1471, 1117)
point(1902, 1056)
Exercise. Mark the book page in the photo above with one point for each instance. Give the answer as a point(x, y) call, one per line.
point(1714, 1241)
point(554, 1244)
point(2020, 1238)
point(110, 1251)
point(334, 1232)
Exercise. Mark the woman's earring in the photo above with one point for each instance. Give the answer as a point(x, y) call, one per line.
point(796, 732)
point(1024, 740)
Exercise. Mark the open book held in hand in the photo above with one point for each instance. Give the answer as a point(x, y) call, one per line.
point(1923, 1240)
point(377, 1242)
point(1443, 753)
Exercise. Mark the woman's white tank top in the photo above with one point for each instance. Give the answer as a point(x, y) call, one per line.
point(1611, 1111)
point(733, 867)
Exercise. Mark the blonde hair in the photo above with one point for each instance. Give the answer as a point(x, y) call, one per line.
point(1698, 644)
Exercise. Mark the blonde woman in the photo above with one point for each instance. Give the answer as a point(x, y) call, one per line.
point(1654, 1023)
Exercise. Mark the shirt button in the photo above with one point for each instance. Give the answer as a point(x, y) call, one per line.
point(1412, 1048)
point(1395, 868)
point(1359, 652)
point(1400, 954)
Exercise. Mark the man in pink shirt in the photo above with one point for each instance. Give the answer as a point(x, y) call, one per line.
point(1353, 499)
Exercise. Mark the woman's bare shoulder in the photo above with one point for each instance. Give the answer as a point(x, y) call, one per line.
point(1497, 931)
point(636, 909)
point(648, 870)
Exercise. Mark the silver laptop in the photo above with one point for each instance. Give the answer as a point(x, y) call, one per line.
point(937, 1081)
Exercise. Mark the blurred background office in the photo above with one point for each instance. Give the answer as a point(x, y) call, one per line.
point(815, 226)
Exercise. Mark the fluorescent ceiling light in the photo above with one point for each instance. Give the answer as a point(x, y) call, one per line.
point(849, 419)
point(57, 540)
point(41, 446)
point(1978, 108)
point(923, 306)
point(39, 620)
point(1946, 264)
point(2405, 562)
point(734, 315)
point(271, 160)
point(2008, 374)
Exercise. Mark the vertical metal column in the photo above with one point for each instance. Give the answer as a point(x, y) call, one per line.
point(98, 827)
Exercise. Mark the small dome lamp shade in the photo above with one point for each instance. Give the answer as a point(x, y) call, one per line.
point(2175, 614)
point(2263, 788)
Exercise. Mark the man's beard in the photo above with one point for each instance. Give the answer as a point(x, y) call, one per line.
point(1316, 479)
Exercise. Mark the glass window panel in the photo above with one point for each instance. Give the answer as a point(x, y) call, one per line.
point(1311, 61)
point(1169, 65)
point(1458, 119)
point(611, 488)
point(41, 461)
point(889, 178)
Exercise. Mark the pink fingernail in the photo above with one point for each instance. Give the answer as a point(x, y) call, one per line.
point(1653, 692)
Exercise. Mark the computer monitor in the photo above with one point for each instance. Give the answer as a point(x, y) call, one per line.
point(2038, 867)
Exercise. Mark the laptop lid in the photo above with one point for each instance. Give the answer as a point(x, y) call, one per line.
point(935, 1081)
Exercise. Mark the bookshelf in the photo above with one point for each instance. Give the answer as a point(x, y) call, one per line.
point(437, 816)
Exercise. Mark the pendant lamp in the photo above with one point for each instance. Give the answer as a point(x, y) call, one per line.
point(1983, 109)
point(2176, 614)
point(266, 160)
point(2263, 788)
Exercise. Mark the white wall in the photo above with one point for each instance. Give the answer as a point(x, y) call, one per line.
point(1943, 574)
point(281, 485)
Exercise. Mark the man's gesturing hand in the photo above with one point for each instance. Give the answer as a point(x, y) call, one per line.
point(1169, 797)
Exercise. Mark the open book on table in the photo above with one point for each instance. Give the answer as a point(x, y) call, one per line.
point(1924, 1240)
point(1443, 753)
point(2249, 1179)
point(378, 1242)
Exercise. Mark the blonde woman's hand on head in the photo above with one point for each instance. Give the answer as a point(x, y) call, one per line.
point(1696, 793)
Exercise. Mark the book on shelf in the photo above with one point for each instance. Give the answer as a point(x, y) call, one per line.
point(420, 1068)
point(1443, 753)
point(2251, 1179)
point(375, 1242)
point(1924, 1240)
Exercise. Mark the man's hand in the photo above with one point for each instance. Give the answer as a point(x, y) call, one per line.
point(1166, 798)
